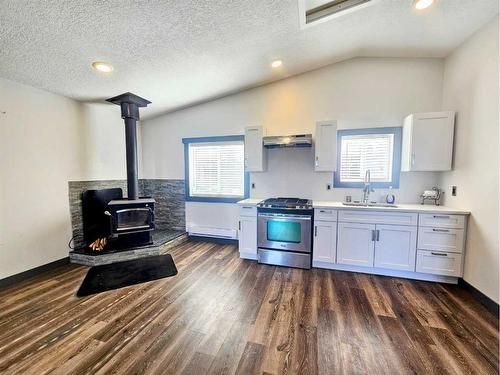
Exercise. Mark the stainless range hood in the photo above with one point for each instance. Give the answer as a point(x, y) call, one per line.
point(298, 140)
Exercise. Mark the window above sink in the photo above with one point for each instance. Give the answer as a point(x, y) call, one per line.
point(374, 149)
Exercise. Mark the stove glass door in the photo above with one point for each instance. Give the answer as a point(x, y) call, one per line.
point(284, 232)
point(133, 219)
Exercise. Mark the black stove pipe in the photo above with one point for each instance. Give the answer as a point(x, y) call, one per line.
point(130, 104)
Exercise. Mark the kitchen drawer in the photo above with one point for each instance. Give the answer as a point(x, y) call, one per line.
point(378, 217)
point(441, 239)
point(439, 263)
point(248, 211)
point(441, 221)
point(326, 214)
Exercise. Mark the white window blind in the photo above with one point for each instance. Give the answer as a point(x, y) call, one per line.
point(366, 151)
point(216, 169)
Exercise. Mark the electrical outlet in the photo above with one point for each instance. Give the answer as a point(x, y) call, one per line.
point(454, 191)
point(328, 186)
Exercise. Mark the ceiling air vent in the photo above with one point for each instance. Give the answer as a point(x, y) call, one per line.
point(314, 11)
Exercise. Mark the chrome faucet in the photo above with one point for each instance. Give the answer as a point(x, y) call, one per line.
point(367, 189)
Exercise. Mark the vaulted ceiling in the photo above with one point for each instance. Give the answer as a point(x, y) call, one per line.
point(177, 53)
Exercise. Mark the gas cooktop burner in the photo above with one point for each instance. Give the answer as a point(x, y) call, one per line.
point(289, 203)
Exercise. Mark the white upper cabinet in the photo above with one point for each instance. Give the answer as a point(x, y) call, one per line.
point(325, 159)
point(255, 157)
point(428, 141)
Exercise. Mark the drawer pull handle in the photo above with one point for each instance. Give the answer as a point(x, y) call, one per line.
point(439, 254)
point(247, 208)
point(441, 217)
point(440, 230)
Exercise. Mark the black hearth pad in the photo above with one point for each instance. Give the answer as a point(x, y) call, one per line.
point(122, 274)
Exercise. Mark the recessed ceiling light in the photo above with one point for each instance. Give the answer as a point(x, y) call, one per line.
point(422, 4)
point(276, 63)
point(102, 67)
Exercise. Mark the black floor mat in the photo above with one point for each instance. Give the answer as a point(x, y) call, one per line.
point(118, 275)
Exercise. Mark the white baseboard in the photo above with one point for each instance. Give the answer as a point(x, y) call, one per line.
point(386, 272)
point(195, 230)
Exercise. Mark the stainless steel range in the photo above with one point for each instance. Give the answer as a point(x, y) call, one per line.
point(284, 232)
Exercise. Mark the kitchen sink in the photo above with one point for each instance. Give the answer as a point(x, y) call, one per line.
point(360, 204)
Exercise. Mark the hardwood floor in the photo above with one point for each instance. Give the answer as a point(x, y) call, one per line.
point(224, 315)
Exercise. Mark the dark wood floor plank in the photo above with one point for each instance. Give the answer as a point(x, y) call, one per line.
point(225, 315)
point(198, 364)
point(379, 300)
point(328, 342)
point(250, 359)
point(447, 347)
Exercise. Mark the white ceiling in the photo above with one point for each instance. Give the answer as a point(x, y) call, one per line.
point(177, 53)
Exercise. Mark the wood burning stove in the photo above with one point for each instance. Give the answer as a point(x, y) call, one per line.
point(130, 220)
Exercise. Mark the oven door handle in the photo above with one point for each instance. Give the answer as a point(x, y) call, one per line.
point(285, 217)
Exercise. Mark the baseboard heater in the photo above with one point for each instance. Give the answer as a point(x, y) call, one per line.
point(212, 232)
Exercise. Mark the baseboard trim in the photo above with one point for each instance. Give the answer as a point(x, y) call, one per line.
point(386, 272)
point(223, 241)
point(18, 277)
point(480, 296)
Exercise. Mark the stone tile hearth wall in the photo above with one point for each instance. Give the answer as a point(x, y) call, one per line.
point(169, 196)
point(170, 212)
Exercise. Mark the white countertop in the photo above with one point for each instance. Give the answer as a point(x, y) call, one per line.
point(400, 207)
point(250, 202)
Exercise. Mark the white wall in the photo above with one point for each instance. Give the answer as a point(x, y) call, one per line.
point(46, 140)
point(361, 92)
point(471, 88)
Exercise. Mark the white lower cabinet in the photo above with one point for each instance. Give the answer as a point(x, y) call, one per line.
point(356, 244)
point(325, 241)
point(441, 239)
point(395, 247)
point(424, 246)
point(247, 237)
point(439, 263)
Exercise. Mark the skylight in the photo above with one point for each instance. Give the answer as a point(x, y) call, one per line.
point(316, 11)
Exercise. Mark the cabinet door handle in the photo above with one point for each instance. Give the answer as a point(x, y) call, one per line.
point(440, 230)
point(441, 217)
point(239, 225)
point(439, 254)
point(317, 161)
point(315, 231)
point(373, 235)
point(378, 235)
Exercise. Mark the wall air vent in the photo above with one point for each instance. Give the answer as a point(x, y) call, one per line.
point(316, 11)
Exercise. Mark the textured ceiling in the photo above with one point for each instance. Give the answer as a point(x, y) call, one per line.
point(176, 53)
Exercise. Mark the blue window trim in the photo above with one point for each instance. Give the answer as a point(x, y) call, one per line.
point(226, 138)
point(396, 157)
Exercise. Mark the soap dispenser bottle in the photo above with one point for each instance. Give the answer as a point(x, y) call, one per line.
point(390, 198)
